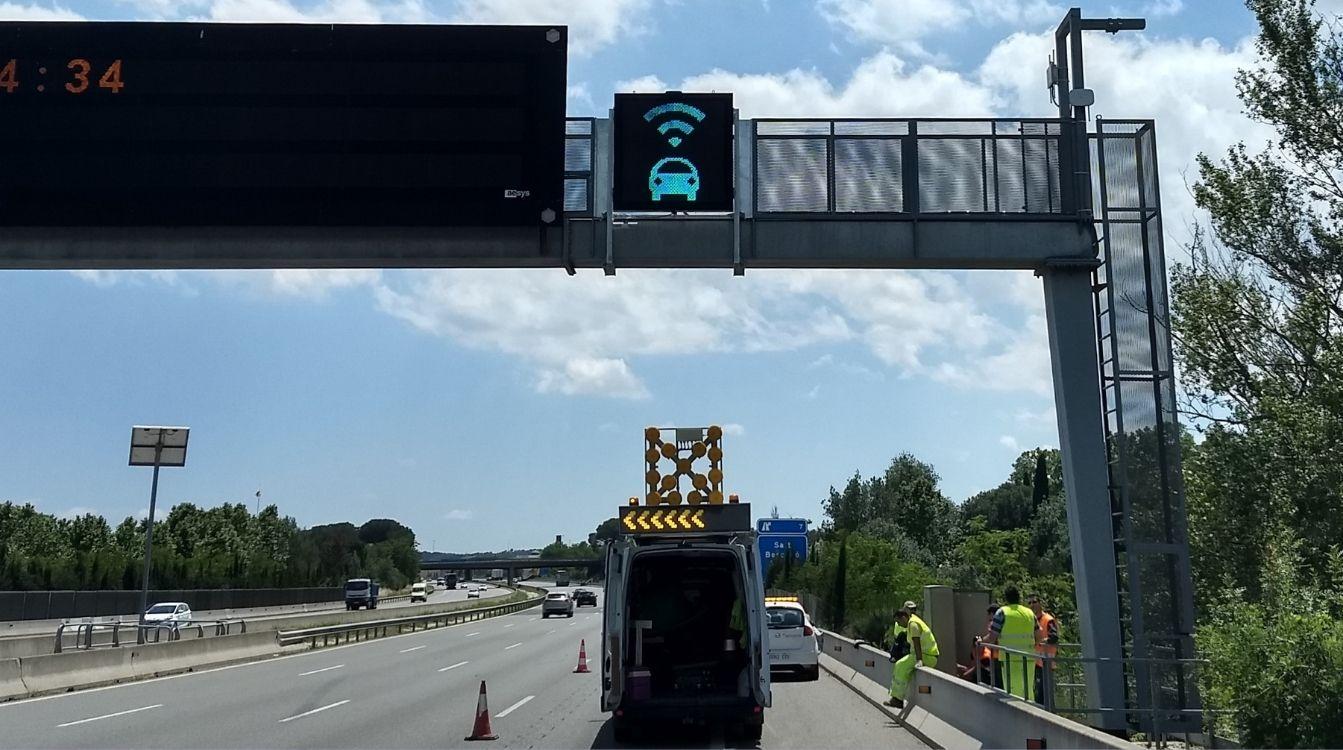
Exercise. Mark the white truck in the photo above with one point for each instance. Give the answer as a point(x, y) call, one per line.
point(683, 632)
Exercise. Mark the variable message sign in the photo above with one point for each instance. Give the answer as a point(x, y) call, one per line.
point(247, 125)
point(673, 152)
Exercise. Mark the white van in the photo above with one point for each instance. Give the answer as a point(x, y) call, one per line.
point(419, 593)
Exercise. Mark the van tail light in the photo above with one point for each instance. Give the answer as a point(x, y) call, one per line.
point(806, 630)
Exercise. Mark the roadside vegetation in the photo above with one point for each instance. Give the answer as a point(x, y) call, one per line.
point(220, 547)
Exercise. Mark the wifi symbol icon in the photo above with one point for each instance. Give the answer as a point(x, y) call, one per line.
point(674, 127)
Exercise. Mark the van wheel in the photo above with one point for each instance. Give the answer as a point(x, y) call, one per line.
point(545, 615)
point(813, 674)
point(571, 614)
point(749, 730)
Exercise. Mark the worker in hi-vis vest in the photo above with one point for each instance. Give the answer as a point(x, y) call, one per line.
point(923, 652)
point(1046, 644)
point(1014, 627)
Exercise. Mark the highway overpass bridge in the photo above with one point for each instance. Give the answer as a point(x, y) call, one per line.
point(512, 566)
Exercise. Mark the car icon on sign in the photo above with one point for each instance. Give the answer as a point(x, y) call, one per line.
point(673, 176)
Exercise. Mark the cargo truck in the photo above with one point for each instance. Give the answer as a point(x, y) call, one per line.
point(361, 592)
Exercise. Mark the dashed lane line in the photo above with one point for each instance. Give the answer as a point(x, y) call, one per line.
point(454, 666)
point(109, 716)
point(515, 645)
point(323, 669)
point(412, 648)
point(316, 710)
point(513, 707)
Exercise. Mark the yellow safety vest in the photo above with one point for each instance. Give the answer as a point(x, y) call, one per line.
point(919, 629)
point(1018, 629)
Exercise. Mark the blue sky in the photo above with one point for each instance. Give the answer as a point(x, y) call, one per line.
point(489, 409)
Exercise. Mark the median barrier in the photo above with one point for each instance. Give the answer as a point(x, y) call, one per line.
point(59, 672)
point(950, 712)
point(11, 680)
point(185, 655)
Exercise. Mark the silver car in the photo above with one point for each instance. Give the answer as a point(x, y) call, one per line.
point(557, 603)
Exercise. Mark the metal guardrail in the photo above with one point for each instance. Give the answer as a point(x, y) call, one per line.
point(84, 631)
point(1064, 674)
point(360, 631)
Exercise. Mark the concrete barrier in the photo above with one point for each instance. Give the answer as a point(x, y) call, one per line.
point(11, 680)
point(57, 672)
point(185, 655)
point(49, 673)
point(950, 712)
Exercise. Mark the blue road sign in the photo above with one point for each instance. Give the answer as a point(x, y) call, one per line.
point(777, 546)
point(781, 525)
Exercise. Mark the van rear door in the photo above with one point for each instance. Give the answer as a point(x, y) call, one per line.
point(755, 614)
point(613, 625)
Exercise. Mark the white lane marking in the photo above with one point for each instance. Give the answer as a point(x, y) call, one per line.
point(108, 716)
point(412, 648)
point(468, 635)
point(548, 632)
point(513, 707)
point(515, 645)
point(509, 625)
point(454, 666)
point(323, 669)
point(316, 710)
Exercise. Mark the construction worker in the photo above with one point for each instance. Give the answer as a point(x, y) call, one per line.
point(1046, 644)
point(987, 670)
point(923, 652)
point(1013, 627)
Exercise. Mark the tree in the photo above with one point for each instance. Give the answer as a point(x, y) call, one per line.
point(1257, 315)
point(1039, 483)
point(838, 605)
point(1007, 506)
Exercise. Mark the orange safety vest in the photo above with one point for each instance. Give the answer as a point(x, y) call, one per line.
point(1047, 649)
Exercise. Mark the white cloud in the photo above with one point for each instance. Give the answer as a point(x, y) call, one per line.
point(593, 24)
point(1042, 419)
point(457, 514)
point(1009, 442)
point(77, 511)
point(17, 12)
point(883, 85)
point(1187, 86)
point(903, 23)
point(589, 376)
point(732, 428)
point(312, 284)
point(284, 11)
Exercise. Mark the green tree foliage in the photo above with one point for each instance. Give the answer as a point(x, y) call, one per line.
point(839, 589)
point(1257, 322)
point(908, 491)
point(194, 547)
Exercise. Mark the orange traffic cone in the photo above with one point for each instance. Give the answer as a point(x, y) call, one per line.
point(482, 731)
point(582, 657)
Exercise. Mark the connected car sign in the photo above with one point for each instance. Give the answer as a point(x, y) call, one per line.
point(673, 152)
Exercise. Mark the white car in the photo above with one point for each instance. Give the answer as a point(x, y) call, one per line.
point(171, 615)
point(473, 592)
point(793, 644)
point(419, 593)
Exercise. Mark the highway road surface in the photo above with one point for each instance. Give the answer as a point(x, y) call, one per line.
point(417, 690)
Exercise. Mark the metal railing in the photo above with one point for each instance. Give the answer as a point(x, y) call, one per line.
point(85, 632)
point(1062, 690)
point(907, 167)
point(360, 631)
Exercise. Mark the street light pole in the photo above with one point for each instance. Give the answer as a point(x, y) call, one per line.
point(149, 537)
point(157, 447)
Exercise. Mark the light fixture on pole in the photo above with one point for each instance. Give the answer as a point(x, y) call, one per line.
point(155, 446)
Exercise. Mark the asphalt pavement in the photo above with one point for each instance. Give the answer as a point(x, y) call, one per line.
point(417, 690)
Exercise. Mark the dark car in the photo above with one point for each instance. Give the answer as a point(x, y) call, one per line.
point(583, 596)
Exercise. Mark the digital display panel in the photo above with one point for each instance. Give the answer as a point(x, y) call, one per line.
point(674, 519)
point(236, 125)
point(673, 152)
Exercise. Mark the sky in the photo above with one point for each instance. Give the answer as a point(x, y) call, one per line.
point(495, 409)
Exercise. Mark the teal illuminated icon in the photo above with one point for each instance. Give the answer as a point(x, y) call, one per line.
point(674, 176)
point(676, 124)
